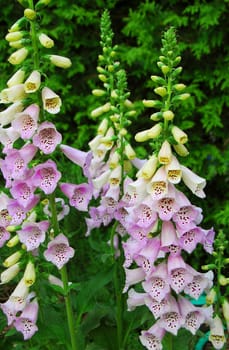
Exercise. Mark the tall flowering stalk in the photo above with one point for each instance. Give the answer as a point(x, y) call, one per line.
point(162, 224)
point(30, 230)
point(108, 162)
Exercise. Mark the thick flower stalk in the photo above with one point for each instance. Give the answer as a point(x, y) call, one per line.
point(163, 226)
point(29, 229)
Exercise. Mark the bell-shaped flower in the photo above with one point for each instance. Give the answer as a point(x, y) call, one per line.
point(17, 78)
point(135, 299)
point(189, 240)
point(46, 176)
point(16, 161)
point(208, 240)
point(33, 82)
point(158, 285)
point(18, 56)
point(147, 256)
point(167, 205)
point(165, 153)
point(173, 170)
point(186, 218)
point(26, 322)
point(19, 295)
point(194, 182)
point(171, 320)
point(135, 191)
point(32, 234)
point(9, 274)
point(45, 40)
point(133, 276)
point(157, 308)
point(4, 236)
point(81, 158)
point(193, 316)
point(47, 137)
point(79, 195)
point(26, 122)
point(23, 192)
point(13, 94)
point(201, 282)
point(18, 212)
point(131, 249)
point(51, 101)
point(152, 338)
point(179, 135)
point(59, 252)
point(179, 276)
point(101, 180)
point(7, 138)
point(158, 185)
point(111, 198)
point(9, 113)
point(217, 337)
point(8, 308)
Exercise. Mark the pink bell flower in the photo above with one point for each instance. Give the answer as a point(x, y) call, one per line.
point(79, 195)
point(59, 252)
point(32, 234)
point(47, 137)
point(152, 338)
point(26, 122)
point(26, 322)
point(46, 176)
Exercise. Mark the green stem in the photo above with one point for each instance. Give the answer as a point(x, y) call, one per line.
point(170, 341)
point(64, 277)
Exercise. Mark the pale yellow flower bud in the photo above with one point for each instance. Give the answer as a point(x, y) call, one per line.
point(12, 259)
point(114, 117)
point(115, 176)
point(173, 170)
point(225, 308)
point(156, 116)
point(98, 92)
point(165, 69)
point(168, 115)
point(100, 110)
point(103, 127)
point(114, 160)
point(223, 281)
point(161, 91)
point(17, 78)
point(30, 14)
point(179, 87)
point(129, 152)
point(13, 241)
point(14, 36)
point(128, 103)
point(123, 132)
point(45, 41)
point(12, 94)
point(151, 133)
point(60, 61)
point(179, 135)
point(181, 150)
point(216, 336)
point(211, 297)
point(18, 56)
point(165, 153)
point(29, 274)
point(102, 77)
point(10, 273)
point(149, 103)
point(149, 168)
point(33, 82)
point(183, 97)
point(17, 44)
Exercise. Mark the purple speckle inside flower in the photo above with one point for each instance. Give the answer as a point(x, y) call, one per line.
point(171, 320)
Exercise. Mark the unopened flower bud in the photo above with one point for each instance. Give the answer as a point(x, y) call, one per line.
point(149, 168)
point(98, 92)
point(179, 87)
point(161, 91)
point(128, 103)
point(156, 116)
point(211, 297)
point(13, 241)
point(29, 274)
point(181, 150)
point(102, 77)
point(168, 115)
point(165, 153)
point(151, 103)
point(14, 36)
point(208, 267)
point(114, 117)
point(17, 44)
point(45, 41)
point(100, 110)
point(177, 60)
point(12, 259)
point(157, 79)
point(123, 132)
point(10, 273)
point(41, 3)
point(102, 129)
point(179, 135)
point(114, 94)
point(152, 133)
point(114, 160)
point(165, 69)
point(60, 61)
point(17, 78)
point(177, 71)
point(182, 97)
point(225, 308)
point(110, 68)
point(223, 281)
point(130, 113)
point(18, 25)
point(129, 152)
point(18, 56)
point(30, 14)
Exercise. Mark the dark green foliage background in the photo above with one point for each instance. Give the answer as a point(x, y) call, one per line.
point(202, 34)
